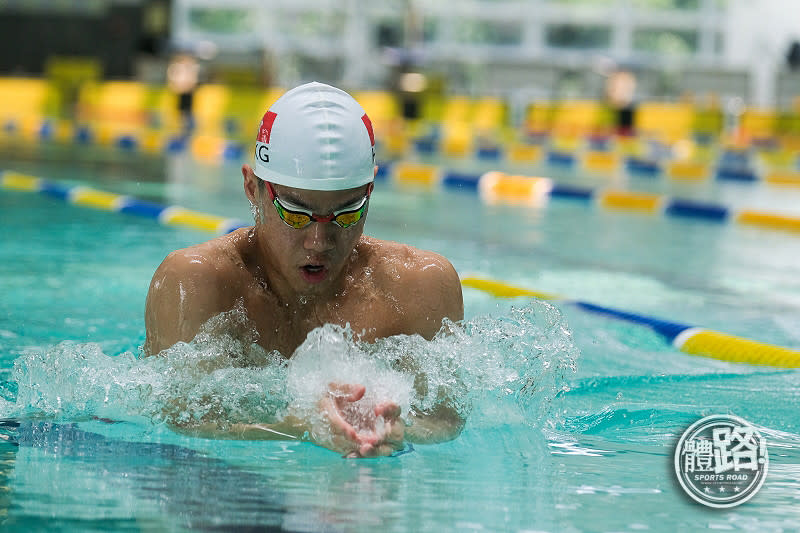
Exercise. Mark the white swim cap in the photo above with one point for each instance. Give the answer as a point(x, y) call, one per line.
point(316, 137)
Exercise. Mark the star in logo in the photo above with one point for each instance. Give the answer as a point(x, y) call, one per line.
point(708, 490)
point(722, 489)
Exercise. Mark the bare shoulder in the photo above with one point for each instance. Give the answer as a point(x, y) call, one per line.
point(190, 286)
point(424, 283)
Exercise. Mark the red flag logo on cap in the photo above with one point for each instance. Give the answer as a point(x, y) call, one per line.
point(265, 128)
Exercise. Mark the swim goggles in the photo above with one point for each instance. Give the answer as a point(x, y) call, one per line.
point(298, 218)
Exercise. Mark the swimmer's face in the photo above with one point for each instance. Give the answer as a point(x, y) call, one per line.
point(311, 259)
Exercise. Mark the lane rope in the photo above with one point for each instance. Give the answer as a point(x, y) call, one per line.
point(171, 215)
point(689, 339)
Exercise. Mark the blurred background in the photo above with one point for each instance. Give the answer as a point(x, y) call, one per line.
point(488, 72)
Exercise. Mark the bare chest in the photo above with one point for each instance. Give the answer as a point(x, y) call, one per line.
point(370, 316)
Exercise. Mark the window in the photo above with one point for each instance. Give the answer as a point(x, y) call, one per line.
point(603, 3)
point(719, 43)
point(578, 37)
point(675, 43)
point(219, 20)
point(388, 33)
point(85, 7)
point(312, 25)
point(688, 5)
point(488, 32)
point(430, 29)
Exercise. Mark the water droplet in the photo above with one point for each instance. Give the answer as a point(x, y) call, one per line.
point(224, 375)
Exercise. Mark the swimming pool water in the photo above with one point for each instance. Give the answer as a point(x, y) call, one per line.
point(599, 459)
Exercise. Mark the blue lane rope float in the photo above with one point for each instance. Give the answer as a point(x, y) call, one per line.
point(499, 187)
point(491, 186)
point(688, 339)
point(172, 215)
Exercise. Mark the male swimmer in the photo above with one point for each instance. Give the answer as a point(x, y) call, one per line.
point(306, 263)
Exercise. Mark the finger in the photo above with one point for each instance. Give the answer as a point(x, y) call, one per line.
point(388, 410)
point(367, 450)
point(338, 424)
point(385, 449)
point(351, 392)
point(370, 438)
point(395, 432)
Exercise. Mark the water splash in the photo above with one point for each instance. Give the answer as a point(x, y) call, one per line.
point(493, 370)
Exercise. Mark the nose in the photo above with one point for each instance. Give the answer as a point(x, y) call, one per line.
point(319, 237)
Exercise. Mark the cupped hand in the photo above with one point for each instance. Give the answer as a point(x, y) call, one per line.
point(355, 433)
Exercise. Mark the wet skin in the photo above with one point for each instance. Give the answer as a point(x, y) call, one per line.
point(291, 281)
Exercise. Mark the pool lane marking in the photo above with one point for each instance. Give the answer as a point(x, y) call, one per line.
point(20, 182)
point(688, 339)
point(784, 178)
point(646, 203)
point(417, 174)
point(88, 197)
point(768, 220)
point(83, 196)
point(498, 187)
point(179, 216)
point(493, 187)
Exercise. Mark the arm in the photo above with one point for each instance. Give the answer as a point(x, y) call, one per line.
point(328, 428)
point(436, 292)
point(440, 424)
point(438, 282)
point(287, 429)
point(183, 295)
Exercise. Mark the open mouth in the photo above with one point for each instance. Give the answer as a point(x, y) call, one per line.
point(313, 273)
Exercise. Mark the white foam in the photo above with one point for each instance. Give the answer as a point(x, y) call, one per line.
point(497, 371)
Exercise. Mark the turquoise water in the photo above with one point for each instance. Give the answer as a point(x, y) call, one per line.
point(85, 445)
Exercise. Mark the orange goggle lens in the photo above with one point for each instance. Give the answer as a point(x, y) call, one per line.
point(300, 219)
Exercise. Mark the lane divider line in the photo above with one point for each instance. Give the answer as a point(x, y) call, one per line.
point(499, 187)
point(83, 196)
point(493, 187)
point(691, 340)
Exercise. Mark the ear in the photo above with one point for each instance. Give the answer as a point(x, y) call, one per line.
point(250, 183)
point(375, 172)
